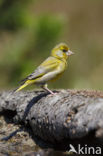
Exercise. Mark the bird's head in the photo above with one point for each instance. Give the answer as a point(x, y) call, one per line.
point(61, 51)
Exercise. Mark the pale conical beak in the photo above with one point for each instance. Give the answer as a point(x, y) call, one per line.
point(69, 52)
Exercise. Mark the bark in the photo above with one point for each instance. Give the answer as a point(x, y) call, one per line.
point(69, 117)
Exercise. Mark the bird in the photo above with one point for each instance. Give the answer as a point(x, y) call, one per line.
point(51, 69)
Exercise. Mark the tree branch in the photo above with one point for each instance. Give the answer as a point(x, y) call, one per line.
point(70, 116)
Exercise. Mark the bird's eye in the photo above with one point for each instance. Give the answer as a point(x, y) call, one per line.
point(64, 50)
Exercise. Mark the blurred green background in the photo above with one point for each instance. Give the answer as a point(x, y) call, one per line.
point(29, 29)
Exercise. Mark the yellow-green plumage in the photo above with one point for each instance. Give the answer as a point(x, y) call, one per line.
point(50, 69)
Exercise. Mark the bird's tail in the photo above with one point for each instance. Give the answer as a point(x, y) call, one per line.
point(26, 83)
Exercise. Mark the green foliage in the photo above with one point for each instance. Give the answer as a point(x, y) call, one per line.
point(33, 40)
point(46, 33)
point(29, 29)
point(13, 14)
point(48, 29)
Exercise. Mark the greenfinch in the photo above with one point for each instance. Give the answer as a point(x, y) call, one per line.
point(50, 69)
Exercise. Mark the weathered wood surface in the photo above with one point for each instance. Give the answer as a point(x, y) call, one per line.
point(68, 117)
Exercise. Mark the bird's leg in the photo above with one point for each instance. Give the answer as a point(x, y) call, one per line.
point(47, 89)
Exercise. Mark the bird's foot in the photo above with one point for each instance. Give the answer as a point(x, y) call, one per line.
point(52, 94)
point(48, 90)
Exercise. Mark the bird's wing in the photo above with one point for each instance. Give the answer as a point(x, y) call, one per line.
point(48, 65)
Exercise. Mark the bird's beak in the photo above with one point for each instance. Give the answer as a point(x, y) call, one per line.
point(69, 52)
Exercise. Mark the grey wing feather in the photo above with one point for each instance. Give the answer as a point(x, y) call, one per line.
point(40, 70)
point(43, 69)
point(37, 73)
